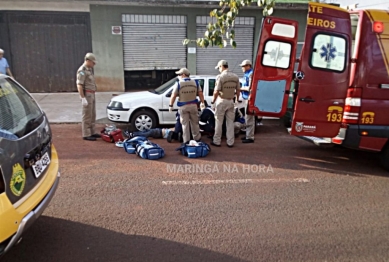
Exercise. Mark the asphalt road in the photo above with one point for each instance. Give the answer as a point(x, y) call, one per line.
point(279, 199)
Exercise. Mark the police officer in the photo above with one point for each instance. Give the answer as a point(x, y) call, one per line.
point(187, 90)
point(227, 85)
point(87, 87)
point(246, 86)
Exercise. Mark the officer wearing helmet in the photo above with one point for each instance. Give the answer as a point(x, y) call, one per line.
point(187, 90)
point(249, 119)
point(227, 85)
point(86, 88)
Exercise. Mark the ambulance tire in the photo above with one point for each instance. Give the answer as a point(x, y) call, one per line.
point(384, 157)
point(286, 121)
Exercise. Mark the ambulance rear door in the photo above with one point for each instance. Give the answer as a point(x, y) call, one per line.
point(274, 65)
point(323, 72)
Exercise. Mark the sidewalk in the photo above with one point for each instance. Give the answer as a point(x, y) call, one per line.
point(63, 108)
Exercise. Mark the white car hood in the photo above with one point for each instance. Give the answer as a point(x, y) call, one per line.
point(137, 98)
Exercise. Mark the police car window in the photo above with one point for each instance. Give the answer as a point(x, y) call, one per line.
point(18, 111)
point(329, 52)
point(277, 54)
point(211, 86)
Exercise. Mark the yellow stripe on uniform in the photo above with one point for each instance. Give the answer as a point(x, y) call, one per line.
point(381, 16)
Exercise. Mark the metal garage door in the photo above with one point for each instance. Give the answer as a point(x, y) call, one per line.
point(153, 42)
point(207, 58)
point(45, 49)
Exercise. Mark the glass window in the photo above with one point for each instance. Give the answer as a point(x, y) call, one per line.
point(283, 30)
point(19, 112)
point(165, 86)
point(277, 54)
point(201, 83)
point(329, 52)
point(211, 86)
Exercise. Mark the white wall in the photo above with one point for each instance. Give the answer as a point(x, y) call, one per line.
point(365, 4)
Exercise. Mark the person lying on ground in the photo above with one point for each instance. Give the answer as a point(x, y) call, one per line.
point(154, 133)
point(207, 122)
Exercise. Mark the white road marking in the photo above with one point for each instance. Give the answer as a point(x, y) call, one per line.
point(235, 181)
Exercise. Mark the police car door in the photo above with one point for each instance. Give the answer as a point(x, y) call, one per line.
point(273, 69)
point(323, 72)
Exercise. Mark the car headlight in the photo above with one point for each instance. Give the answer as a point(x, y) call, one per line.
point(115, 104)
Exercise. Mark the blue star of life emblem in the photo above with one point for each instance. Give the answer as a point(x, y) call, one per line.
point(328, 52)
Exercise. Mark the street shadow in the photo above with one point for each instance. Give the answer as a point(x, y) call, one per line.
point(54, 239)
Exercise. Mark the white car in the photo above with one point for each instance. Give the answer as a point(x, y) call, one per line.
point(147, 109)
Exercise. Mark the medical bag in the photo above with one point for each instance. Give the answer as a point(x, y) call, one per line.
point(149, 150)
point(129, 145)
point(194, 149)
point(112, 134)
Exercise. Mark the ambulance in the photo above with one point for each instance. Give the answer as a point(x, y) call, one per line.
point(341, 85)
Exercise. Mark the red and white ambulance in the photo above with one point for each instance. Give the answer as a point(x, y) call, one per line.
point(341, 91)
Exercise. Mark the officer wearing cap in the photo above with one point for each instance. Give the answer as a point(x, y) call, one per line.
point(227, 85)
point(187, 90)
point(86, 88)
point(246, 86)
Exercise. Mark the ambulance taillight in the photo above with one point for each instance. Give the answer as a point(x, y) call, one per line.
point(352, 106)
point(378, 27)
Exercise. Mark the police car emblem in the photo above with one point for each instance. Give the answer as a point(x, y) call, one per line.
point(18, 180)
point(299, 126)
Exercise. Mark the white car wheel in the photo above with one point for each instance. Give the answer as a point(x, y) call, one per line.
point(143, 120)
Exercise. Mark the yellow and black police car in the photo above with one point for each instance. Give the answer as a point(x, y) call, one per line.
point(29, 170)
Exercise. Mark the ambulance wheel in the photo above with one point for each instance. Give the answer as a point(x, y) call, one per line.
point(384, 157)
point(286, 122)
point(143, 120)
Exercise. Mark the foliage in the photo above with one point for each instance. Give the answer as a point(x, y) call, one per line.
point(221, 31)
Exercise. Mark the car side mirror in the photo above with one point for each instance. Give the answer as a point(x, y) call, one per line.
point(169, 94)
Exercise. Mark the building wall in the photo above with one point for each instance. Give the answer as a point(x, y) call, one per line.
point(109, 48)
point(31, 5)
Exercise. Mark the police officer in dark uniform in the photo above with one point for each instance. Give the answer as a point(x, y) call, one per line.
point(86, 88)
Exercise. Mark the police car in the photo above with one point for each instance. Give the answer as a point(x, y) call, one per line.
point(147, 109)
point(29, 171)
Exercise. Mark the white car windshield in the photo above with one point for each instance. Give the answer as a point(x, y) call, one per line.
point(166, 86)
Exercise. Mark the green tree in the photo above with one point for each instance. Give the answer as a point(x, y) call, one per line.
point(222, 32)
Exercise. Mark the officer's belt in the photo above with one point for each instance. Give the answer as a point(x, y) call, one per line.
point(187, 103)
point(226, 98)
point(90, 91)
